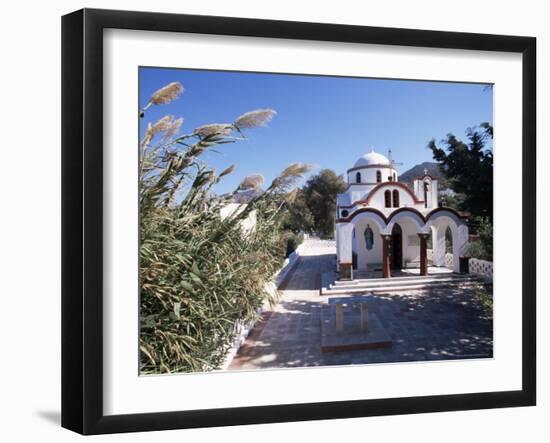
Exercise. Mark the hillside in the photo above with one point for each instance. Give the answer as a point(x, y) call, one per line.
point(418, 171)
point(244, 195)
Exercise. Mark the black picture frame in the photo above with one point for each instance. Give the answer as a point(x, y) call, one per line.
point(82, 217)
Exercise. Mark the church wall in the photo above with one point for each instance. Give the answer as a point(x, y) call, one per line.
point(351, 237)
point(370, 258)
point(435, 194)
point(411, 241)
point(344, 233)
point(248, 225)
point(367, 257)
point(359, 192)
point(378, 199)
point(368, 175)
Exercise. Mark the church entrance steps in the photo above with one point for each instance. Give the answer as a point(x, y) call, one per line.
point(333, 287)
point(357, 280)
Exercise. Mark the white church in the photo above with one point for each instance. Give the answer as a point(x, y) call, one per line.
point(384, 225)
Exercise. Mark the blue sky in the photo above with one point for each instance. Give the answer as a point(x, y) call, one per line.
point(326, 121)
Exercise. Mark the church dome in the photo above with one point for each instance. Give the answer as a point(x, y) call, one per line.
point(372, 158)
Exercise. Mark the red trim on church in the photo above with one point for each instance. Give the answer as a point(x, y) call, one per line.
point(383, 184)
point(379, 186)
point(425, 218)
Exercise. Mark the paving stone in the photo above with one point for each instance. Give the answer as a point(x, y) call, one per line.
point(434, 324)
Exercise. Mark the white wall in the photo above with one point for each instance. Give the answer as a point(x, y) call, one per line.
point(248, 225)
point(344, 236)
point(405, 199)
point(359, 192)
point(368, 175)
point(367, 257)
point(30, 259)
point(411, 241)
point(432, 196)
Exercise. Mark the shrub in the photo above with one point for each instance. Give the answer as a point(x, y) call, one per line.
point(484, 294)
point(482, 248)
point(292, 240)
point(475, 250)
point(200, 273)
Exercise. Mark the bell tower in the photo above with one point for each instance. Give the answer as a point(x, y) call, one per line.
point(425, 189)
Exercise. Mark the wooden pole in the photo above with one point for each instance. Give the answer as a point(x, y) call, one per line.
point(386, 268)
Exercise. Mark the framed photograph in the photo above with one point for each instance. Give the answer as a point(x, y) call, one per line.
point(269, 221)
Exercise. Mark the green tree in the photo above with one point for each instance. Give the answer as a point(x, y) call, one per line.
point(468, 166)
point(455, 201)
point(482, 248)
point(298, 217)
point(485, 232)
point(320, 195)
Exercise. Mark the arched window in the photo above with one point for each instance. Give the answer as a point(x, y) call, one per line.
point(369, 237)
point(358, 177)
point(448, 240)
point(426, 189)
point(395, 198)
point(378, 176)
point(394, 177)
point(387, 199)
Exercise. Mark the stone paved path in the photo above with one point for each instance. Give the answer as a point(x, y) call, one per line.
point(434, 324)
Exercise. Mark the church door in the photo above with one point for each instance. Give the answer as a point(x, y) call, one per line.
point(396, 247)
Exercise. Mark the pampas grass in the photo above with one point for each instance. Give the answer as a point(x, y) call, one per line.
point(167, 94)
point(200, 274)
point(255, 119)
point(167, 125)
point(252, 181)
point(290, 174)
point(227, 171)
point(164, 95)
point(222, 129)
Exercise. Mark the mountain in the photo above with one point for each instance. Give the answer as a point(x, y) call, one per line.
point(244, 195)
point(418, 171)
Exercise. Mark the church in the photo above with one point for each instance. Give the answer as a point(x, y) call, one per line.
point(385, 226)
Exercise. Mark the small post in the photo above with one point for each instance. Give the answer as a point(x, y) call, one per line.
point(346, 271)
point(339, 317)
point(364, 316)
